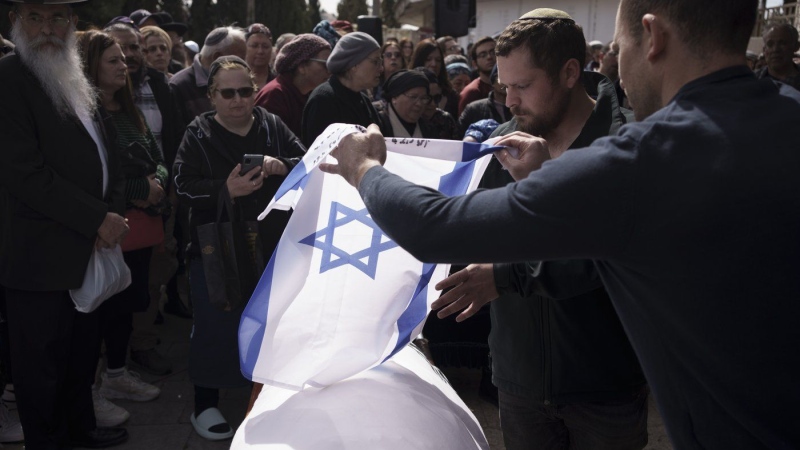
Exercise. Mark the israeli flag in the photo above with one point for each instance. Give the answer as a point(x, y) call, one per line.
point(402, 404)
point(338, 296)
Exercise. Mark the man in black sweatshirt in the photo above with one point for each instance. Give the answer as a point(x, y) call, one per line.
point(565, 371)
point(692, 216)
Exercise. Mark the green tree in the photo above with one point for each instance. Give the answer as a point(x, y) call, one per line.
point(313, 12)
point(202, 13)
point(349, 10)
point(97, 14)
point(176, 8)
point(129, 6)
point(284, 16)
point(387, 14)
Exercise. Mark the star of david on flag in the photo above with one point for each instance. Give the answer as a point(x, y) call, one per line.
point(338, 296)
point(365, 260)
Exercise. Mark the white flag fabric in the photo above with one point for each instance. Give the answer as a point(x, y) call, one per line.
point(338, 296)
point(402, 404)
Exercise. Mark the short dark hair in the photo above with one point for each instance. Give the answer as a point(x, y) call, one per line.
point(550, 42)
point(707, 26)
point(473, 51)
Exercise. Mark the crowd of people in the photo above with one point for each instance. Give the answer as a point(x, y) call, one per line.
point(130, 135)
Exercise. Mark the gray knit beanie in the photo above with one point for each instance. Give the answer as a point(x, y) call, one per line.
point(351, 49)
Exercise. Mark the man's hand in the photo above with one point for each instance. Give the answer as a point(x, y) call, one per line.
point(274, 166)
point(112, 231)
point(533, 152)
point(241, 185)
point(472, 288)
point(357, 153)
point(156, 191)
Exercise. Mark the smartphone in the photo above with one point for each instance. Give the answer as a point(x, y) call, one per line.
point(251, 161)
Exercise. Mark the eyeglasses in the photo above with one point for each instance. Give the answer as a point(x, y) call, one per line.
point(229, 93)
point(392, 55)
point(423, 100)
point(257, 28)
point(155, 48)
point(485, 54)
point(39, 21)
point(377, 61)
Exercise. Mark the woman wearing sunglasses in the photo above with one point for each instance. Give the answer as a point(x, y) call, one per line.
point(392, 62)
point(208, 166)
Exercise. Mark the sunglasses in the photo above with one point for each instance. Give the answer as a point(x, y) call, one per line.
point(229, 93)
point(391, 55)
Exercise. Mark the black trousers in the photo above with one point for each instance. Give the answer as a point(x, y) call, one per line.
point(54, 354)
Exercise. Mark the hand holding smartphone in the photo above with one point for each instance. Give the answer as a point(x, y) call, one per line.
point(249, 162)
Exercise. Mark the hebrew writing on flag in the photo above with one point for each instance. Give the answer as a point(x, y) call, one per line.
point(338, 296)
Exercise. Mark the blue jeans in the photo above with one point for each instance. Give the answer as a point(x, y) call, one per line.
point(617, 425)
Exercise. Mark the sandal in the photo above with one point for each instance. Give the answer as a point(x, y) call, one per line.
point(211, 425)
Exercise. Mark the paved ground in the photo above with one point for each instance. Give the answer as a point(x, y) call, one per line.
point(163, 424)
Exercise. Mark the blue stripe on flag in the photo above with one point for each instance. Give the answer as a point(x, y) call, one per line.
point(454, 183)
point(457, 181)
point(473, 150)
point(416, 311)
point(253, 321)
point(293, 180)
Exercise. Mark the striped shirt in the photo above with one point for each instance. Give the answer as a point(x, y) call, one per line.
point(127, 133)
point(145, 100)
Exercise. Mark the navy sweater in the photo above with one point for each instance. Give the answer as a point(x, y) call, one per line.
point(693, 217)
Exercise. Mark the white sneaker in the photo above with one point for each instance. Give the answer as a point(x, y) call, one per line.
point(106, 413)
point(128, 386)
point(10, 428)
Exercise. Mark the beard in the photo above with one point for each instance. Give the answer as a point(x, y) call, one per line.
point(542, 124)
point(58, 67)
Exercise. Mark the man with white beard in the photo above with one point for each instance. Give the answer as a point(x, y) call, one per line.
point(61, 198)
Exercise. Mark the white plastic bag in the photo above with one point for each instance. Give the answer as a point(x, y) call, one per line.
point(106, 275)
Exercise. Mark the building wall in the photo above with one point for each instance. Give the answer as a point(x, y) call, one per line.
point(597, 17)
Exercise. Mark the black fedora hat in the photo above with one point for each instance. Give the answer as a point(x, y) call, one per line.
point(166, 23)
